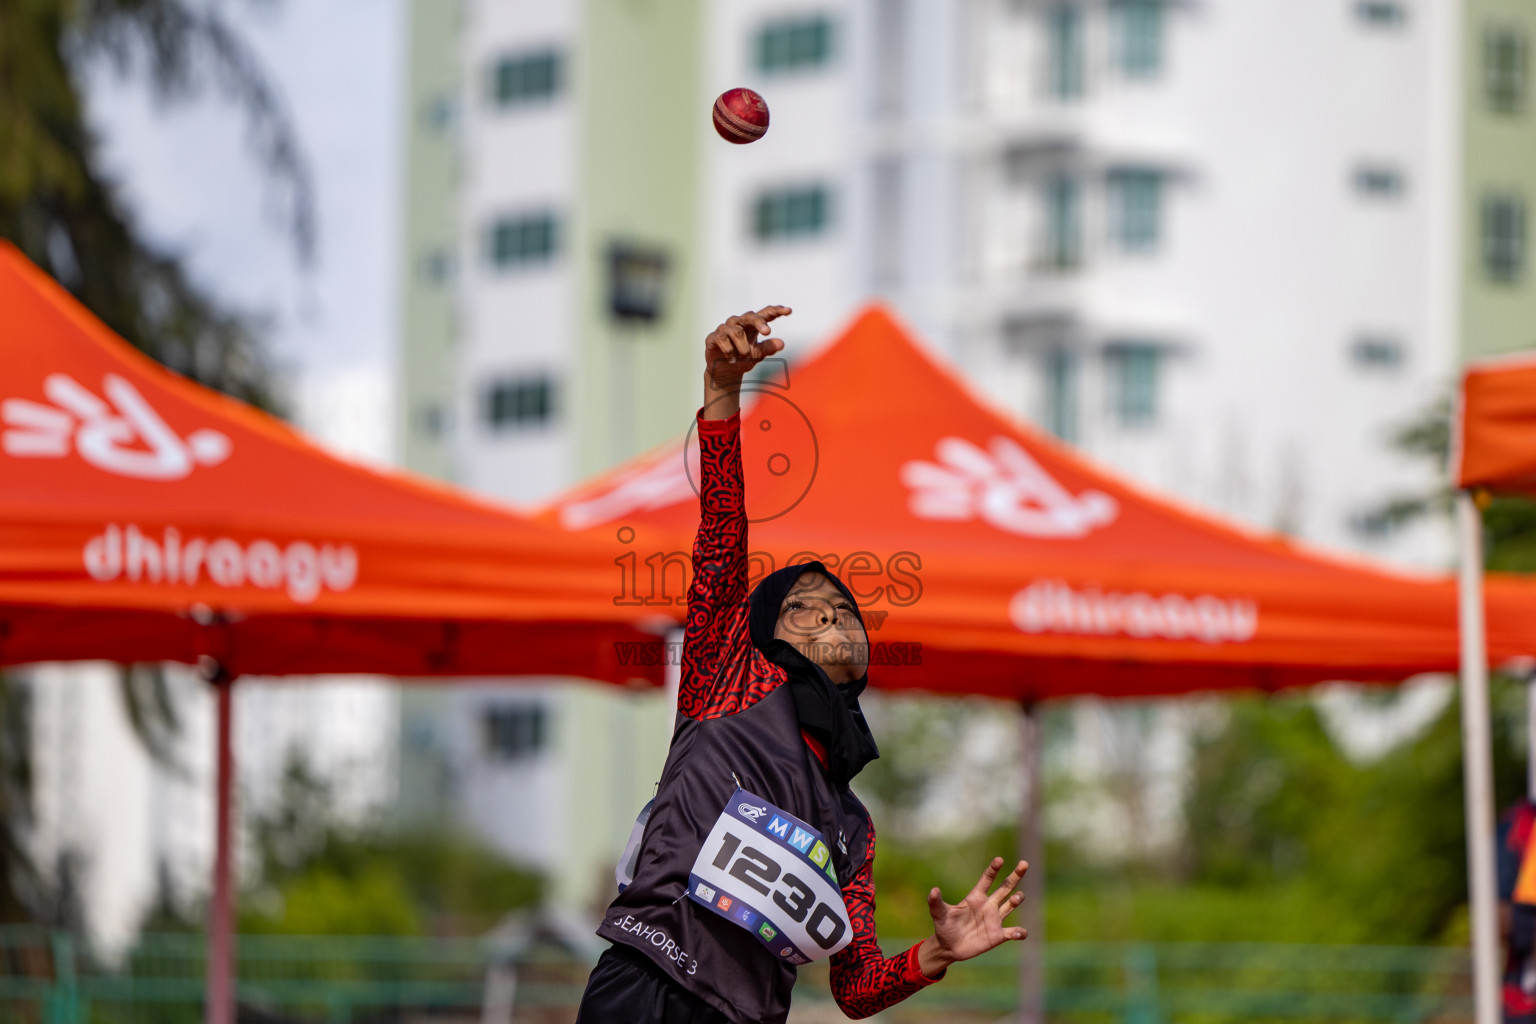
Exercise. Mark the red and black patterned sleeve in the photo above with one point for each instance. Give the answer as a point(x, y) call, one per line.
point(864, 982)
point(717, 596)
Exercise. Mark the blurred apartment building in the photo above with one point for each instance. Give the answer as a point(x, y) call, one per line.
point(1498, 179)
point(1227, 247)
point(519, 376)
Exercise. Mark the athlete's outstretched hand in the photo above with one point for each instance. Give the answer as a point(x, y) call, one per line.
point(974, 925)
point(733, 349)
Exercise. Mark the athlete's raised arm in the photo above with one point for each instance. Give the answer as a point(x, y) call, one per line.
point(716, 598)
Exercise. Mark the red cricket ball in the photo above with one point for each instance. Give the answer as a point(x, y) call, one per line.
point(741, 116)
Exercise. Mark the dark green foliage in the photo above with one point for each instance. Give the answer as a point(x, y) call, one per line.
point(18, 876)
point(321, 876)
point(1509, 533)
point(1509, 522)
point(1274, 805)
point(61, 208)
point(1285, 840)
point(152, 712)
point(924, 736)
point(1256, 783)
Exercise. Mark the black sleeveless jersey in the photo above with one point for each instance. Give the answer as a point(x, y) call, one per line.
point(716, 960)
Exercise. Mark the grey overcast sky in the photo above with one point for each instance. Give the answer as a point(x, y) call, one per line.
point(339, 65)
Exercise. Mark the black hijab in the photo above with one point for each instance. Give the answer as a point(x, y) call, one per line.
point(828, 711)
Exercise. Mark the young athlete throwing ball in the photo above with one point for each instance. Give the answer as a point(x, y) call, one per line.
point(757, 857)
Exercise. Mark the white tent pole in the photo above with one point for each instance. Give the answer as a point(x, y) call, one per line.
point(1477, 763)
point(1032, 849)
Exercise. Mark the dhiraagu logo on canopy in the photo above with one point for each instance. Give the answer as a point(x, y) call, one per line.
point(1054, 606)
point(120, 433)
point(1003, 486)
point(301, 568)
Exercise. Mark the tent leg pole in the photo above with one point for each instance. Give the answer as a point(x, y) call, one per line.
point(1477, 760)
point(220, 1007)
point(1530, 737)
point(1032, 850)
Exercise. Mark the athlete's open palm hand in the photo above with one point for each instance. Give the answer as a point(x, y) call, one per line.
point(974, 925)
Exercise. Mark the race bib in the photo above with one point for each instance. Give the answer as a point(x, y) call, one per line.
point(767, 871)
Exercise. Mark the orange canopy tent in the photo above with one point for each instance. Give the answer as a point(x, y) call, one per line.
point(996, 560)
point(144, 517)
point(1495, 450)
point(1496, 435)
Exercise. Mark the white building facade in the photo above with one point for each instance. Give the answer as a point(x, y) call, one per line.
point(549, 773)
point(1196, 239)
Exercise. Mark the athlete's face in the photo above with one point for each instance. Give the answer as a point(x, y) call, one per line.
point(823, 626)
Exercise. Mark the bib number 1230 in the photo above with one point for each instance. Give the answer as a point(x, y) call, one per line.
point(770, 873)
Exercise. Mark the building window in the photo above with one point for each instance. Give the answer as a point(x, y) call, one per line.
point(1064, 33)
point(439, 112)
point(1061, 373)
point(1374, 524)
point(1132, 372)
point(1136, 209)
point(521, 78)
point(1063, 232)
point(788, 213)
point(796, 44)
point(1378, 181)
point(638, 275)
point(1138, 26)
point(1504, 69)
point(520, 402)
point(523, 239)
point(1381, 13)
point(431, 420)
point(513, 731)
point(1504, 237)
point(437, 266)
point(1376, 352)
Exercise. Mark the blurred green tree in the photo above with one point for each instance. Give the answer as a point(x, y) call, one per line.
point(18, 874)
point(1509, 522)
point(1274, 808)
point(321, 875)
